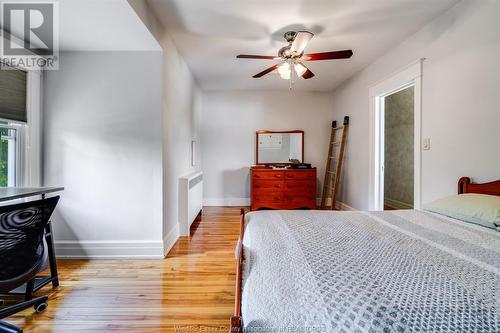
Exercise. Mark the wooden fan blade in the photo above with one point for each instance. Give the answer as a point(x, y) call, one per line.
point(250, 56)
point(300, 42)
point(264, 72)
point(307, 74)
point(345, 54)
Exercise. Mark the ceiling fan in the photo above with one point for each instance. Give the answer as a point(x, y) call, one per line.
point(293, 57)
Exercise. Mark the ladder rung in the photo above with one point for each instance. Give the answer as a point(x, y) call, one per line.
point(335, 143)
point(331, 172)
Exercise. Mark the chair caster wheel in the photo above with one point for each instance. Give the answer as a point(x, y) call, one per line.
point(40, 307)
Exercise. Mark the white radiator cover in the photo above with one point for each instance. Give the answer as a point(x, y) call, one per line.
point(190, 200)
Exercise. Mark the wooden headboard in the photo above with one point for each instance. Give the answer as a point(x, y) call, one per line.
point(491, 188)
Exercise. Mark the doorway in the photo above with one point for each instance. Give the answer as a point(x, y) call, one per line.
point(395, 141)
point(398, 148)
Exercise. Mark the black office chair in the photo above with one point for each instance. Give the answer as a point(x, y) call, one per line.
point(23, 252)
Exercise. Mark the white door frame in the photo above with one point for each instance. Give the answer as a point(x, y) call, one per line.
point(411, 75)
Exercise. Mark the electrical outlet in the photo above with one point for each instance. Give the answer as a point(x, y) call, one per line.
point(426, 144)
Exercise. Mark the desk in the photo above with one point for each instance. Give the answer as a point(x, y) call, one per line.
point(12, 193)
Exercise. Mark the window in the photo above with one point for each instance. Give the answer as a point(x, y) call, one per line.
point(13, 119)
point(9, 153)
point(13, 94)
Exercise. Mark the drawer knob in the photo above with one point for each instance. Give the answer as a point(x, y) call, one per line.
point(277, 176)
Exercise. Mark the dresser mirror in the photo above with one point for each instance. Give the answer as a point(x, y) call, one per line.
point(279, 147)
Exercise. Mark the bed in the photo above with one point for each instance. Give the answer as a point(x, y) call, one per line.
point(393, 271)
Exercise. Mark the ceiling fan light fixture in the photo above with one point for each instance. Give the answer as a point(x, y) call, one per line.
point(284, 71)
point(300, 69)
point(292, 56)
point(285, 76)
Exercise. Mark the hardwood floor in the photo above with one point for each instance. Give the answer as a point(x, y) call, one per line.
point(192, 290)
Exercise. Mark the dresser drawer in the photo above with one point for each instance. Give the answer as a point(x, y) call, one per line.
point(306, 174)
point(268, 175)
point(267, 196)
point(283, 189)
point(300, 185)
point(267, 184)
point(300, 201)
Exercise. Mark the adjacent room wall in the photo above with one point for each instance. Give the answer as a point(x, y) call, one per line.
point(229, 122)
point(181, 105)
point(103, 143)
point(181, 111)
point(118, 132)
point(460, 112)
point(398, 146)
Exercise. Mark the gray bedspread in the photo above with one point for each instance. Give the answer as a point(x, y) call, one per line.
point(399, 271)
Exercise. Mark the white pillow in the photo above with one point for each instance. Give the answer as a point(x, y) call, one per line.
point(475, 208)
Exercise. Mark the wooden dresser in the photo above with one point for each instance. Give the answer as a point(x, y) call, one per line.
point(283, 189)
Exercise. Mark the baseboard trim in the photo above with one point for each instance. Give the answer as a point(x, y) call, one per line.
point(339, 205)
point(343, 206)
point(109, 249)
point(226, 202)
point(243, 202)
point(170, 239)
point(396, 204)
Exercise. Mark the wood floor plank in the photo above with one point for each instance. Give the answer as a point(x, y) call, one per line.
point(192, 290)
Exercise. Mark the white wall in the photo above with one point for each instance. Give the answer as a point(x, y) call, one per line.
point(103, 143)
point(180, 111)
point(118, 132)
point(229, 122)
point(180, 121)
point(460, 110)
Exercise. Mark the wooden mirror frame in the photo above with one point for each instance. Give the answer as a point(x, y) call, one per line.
point(275, 132)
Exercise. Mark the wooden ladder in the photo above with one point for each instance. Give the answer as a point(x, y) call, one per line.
point(335, 159)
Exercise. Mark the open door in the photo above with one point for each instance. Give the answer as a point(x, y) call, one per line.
point(398, 149)
point(395, 148)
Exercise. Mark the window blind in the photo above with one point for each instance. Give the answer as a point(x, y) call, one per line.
point(13, 94)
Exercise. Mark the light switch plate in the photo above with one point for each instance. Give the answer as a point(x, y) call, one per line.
point(426, 144)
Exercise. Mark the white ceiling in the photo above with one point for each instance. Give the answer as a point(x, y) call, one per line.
point(101, 25)
point(210, 33)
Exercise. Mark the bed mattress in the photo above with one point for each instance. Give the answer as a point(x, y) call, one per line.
point(397, 271)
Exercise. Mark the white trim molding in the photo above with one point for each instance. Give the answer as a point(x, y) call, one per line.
point(396, 204)
point(109, 249)
point(245, 202)
point(343, 206)
point(409, 76)
point(32, 161)
point(170, 239)
point(226, 202)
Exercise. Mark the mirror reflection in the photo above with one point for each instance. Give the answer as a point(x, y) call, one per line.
point(275, 148)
